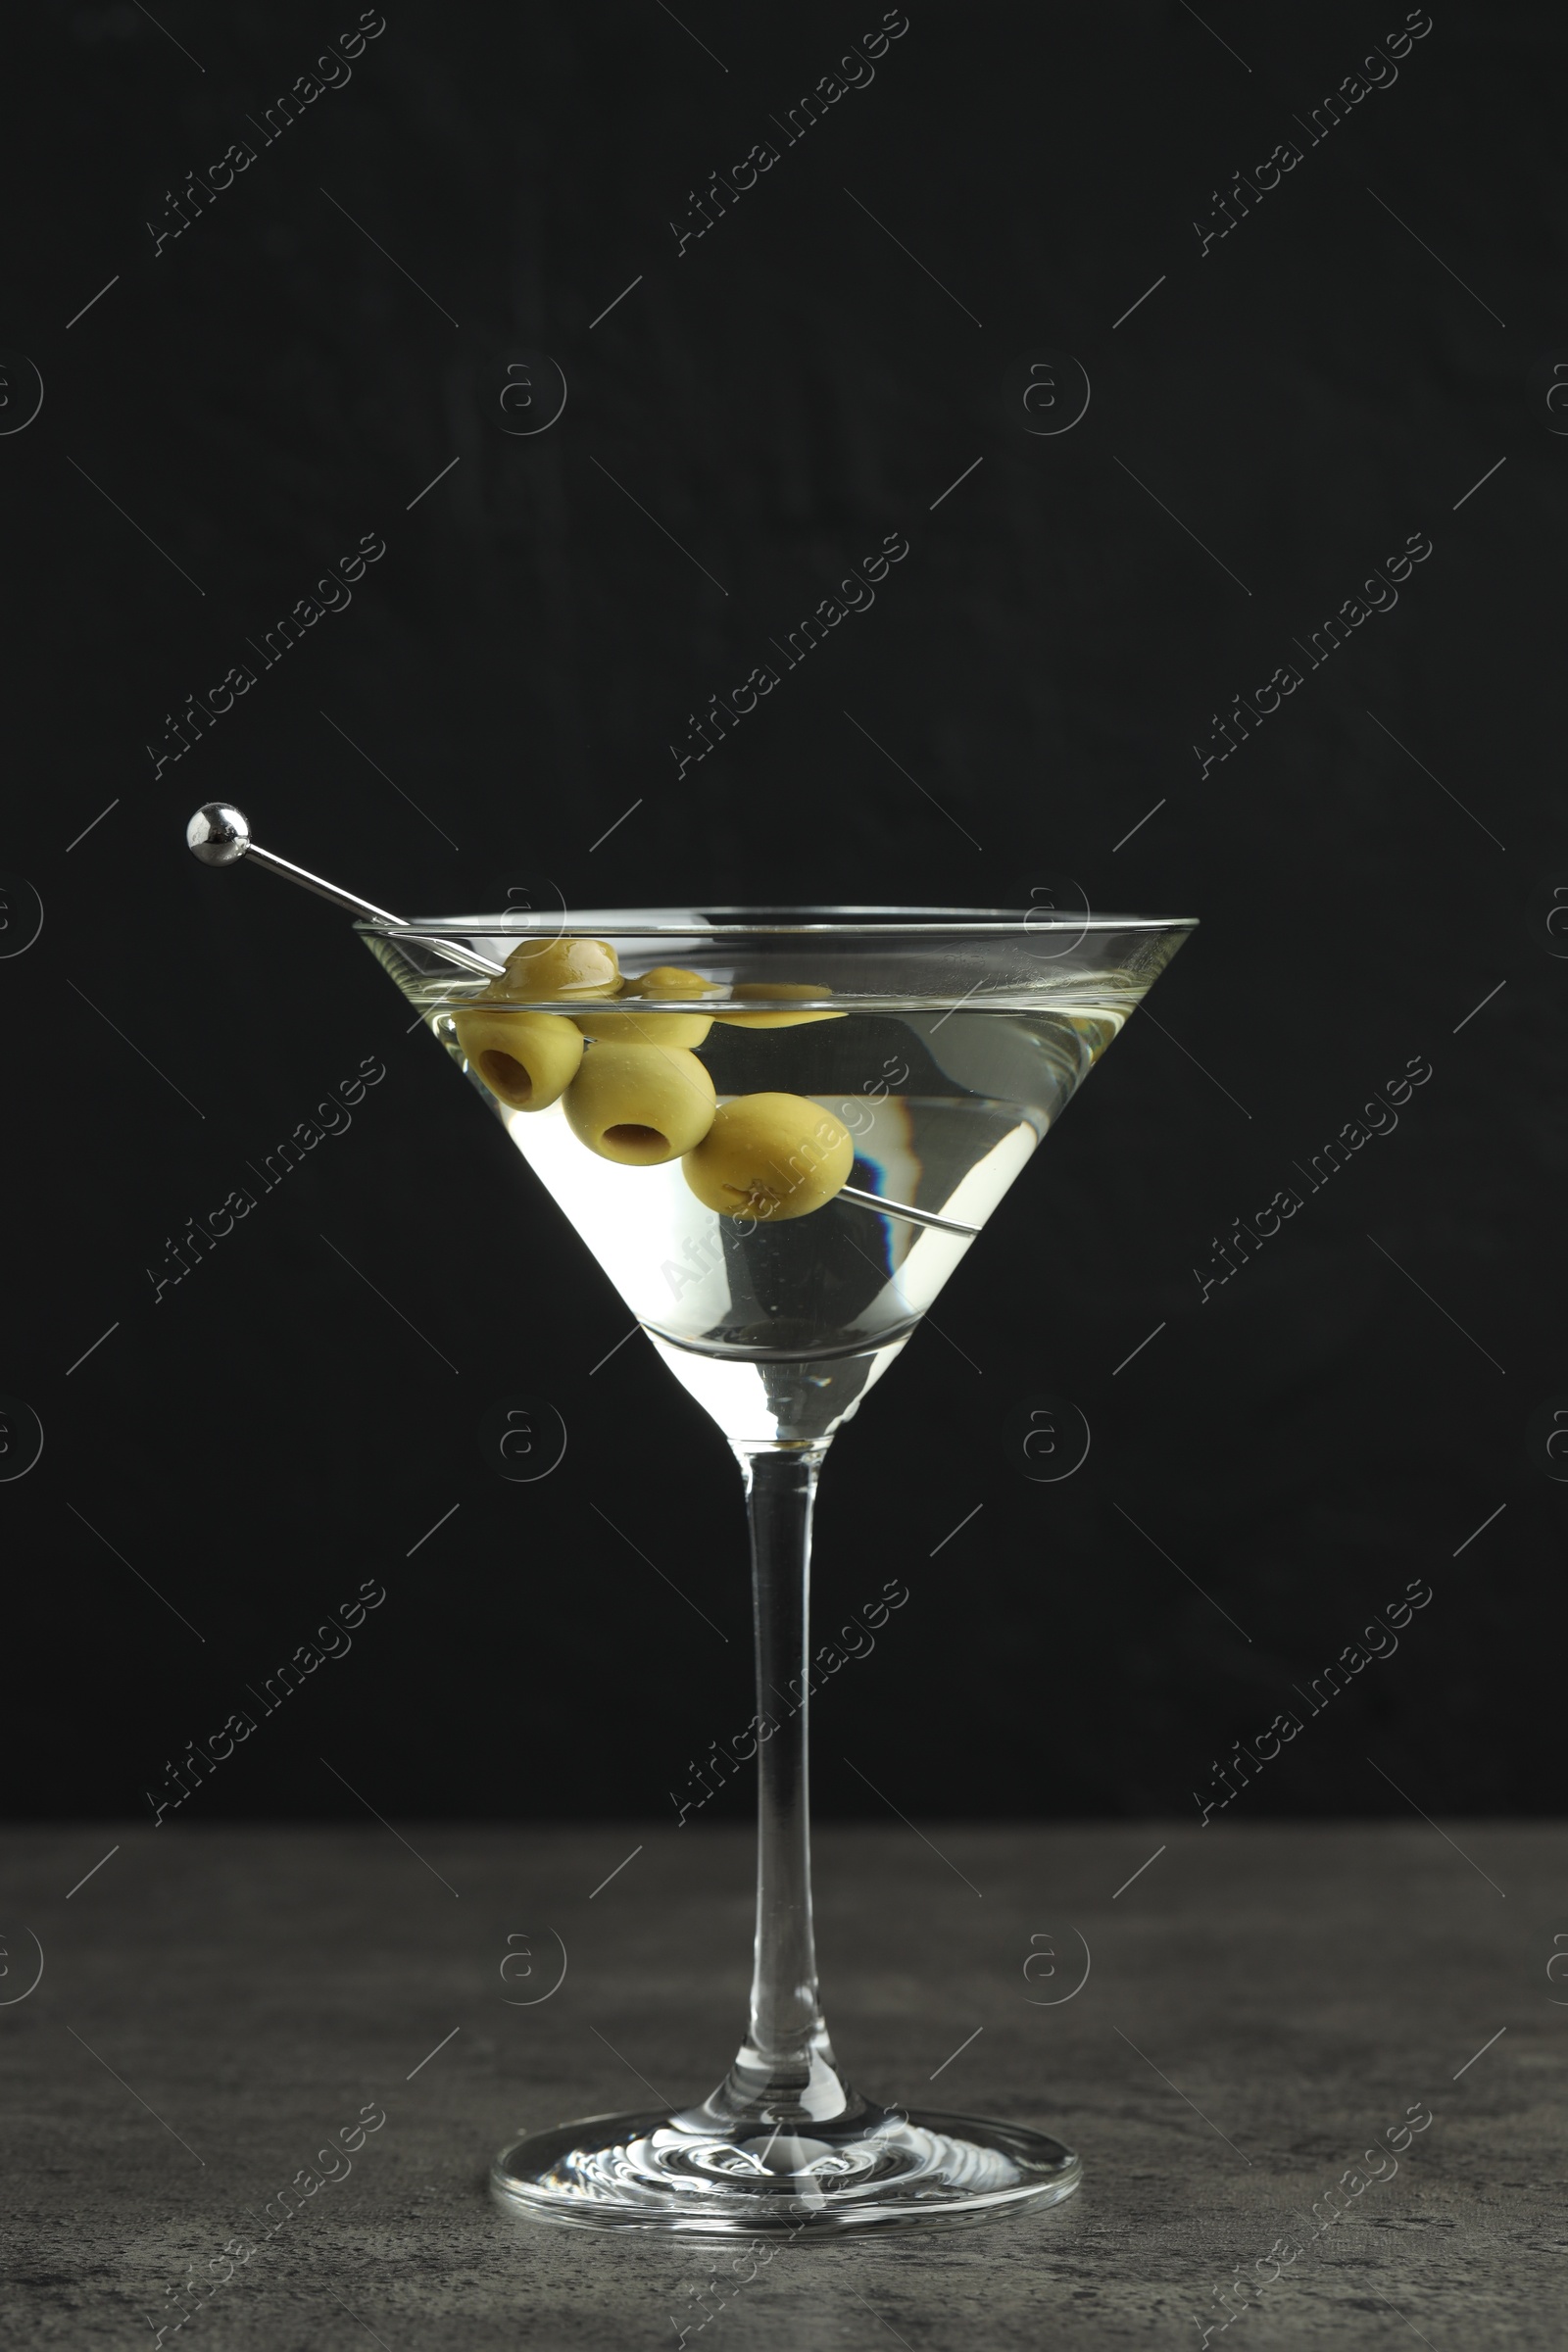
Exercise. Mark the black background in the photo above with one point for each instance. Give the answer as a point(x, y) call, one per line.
point(1303, 396)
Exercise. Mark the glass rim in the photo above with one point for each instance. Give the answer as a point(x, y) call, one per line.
point(722, 922)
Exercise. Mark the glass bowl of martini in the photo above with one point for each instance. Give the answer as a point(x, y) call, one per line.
point(778, 1131)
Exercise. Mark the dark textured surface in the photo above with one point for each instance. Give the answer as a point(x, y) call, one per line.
point(1303, 1988)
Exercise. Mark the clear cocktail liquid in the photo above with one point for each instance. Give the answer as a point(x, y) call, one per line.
point(943, 1107)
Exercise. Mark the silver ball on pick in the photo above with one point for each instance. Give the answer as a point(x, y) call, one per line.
point(217, 834)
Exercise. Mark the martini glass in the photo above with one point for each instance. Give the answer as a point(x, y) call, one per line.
point(778, 1132)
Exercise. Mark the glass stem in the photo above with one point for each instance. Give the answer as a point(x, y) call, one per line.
point(785, 2073)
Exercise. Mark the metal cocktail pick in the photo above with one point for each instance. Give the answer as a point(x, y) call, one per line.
point(219, 834)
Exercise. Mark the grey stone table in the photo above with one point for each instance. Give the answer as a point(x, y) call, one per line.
point(1263, 2008)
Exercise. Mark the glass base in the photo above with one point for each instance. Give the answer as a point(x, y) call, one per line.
point(892, 2170)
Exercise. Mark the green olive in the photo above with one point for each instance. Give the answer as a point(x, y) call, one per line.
point(527, 1060)
point(770, 1156)
point(774, 1020)
point(679, 1029)
point(639, 1103)
point(539, 970)
point(670, 980)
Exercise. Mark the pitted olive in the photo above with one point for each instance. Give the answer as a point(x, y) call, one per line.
point(775, 990)
point(527, 1060)
point(623, 1026)
point(770, 1156)
point(541, 970)
point(640, 1104)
